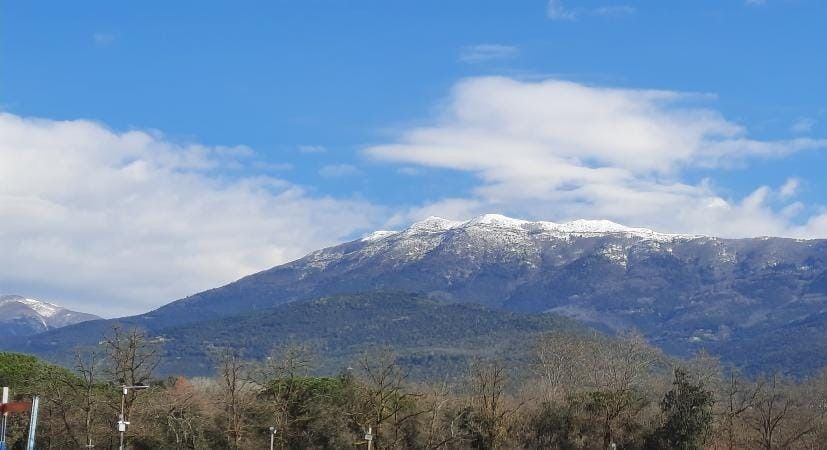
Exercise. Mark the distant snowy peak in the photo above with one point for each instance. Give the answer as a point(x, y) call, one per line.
point(499, 222)
point(44, 309)
point(23, 315)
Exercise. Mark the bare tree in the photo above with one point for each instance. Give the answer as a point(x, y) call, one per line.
point(779, 416)
point(283, 379)
point(384, 404)
point(490, 408)
point(560, 362)
point(87, 366)
point(606, 376)
point(737, 397)
point(436, 403)
point(236, 393)
point(177, 412)
point(132, 359)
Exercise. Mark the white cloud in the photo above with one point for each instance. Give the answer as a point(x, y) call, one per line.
point(117, 223)
point(339, 170)
point(790, 188)
point(486, 52)
point(755, 2)
point(561, 150)
point(557, 10)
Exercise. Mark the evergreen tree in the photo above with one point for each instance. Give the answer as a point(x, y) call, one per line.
point(687, 410)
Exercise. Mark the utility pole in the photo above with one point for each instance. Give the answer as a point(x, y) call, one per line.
point(122, 423)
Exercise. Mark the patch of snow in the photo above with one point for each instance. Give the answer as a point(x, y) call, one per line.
point(614, 253)
point(496, 220)
point(576, 227)
point(434, 224)
point(43, 309)
point(378, 235)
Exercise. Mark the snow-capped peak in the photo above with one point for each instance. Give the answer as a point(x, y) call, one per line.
point(43, 309)
point(579, 227)
point(22, 316)
point(497, 220)
point(434, 223)
point(600, 226)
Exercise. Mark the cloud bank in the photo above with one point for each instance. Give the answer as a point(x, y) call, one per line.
point(117, 223)
point(560, 150)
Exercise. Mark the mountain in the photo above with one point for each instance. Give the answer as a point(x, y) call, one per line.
point(21, 316)
point(431, 338)
point(759, 303)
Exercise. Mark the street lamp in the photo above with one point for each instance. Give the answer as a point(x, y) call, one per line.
point(272, 437)
point(122, 423)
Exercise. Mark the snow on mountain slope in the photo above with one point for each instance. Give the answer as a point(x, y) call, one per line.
point(490, 233)
point(506, 224)
point(683, 292)
point(22, 316)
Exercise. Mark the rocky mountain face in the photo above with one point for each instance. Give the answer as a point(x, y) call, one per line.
point(683, 292)
point(760, 303)
point(21, 316)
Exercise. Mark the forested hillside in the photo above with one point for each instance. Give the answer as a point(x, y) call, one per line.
point(576, 391)
point(431, 338)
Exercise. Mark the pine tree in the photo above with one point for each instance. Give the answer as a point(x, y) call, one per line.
point(687, 410)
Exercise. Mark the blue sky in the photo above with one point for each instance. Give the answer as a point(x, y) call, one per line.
point(324, 105)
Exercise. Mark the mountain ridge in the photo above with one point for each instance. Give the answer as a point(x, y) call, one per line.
point(683, 292)
point(579, 226)
point(23, 316)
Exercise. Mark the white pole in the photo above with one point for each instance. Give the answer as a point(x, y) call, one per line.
point(33, 423)
point(5, 400)
point(122, 421)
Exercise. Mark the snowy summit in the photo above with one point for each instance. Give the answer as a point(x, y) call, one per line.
point(20, 315)
point(500, 222)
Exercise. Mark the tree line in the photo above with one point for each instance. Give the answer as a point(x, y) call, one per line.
point(579, 392)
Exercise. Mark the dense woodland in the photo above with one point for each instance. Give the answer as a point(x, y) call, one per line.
point(579, 392)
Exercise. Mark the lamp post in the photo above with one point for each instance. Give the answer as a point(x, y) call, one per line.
point(122, 423)
point(272, 437)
